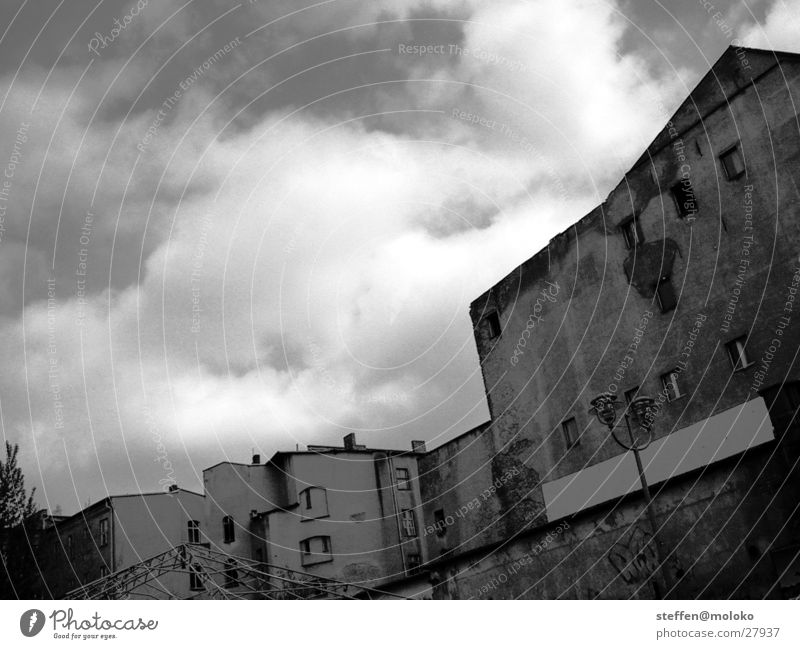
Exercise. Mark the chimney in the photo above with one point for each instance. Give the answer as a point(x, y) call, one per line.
point(173, 487)
point(417, 446)
point(350, 441)
point(256, 459)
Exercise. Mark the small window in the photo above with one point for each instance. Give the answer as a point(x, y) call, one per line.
point(737, 352)
point(671, 385)
point(103, 572)
point(314, 503)
point(231, 574)
point(103, 532)
point(228, 533)
point(259, 555)
point(685, 200)
point(632, 232)
point(570, 429)
point(439, 522)
point(193, 528)
point(195, 577)
point(667, 300)
point(413, 561)
point(408, 523)
point(492, 324)
point(732, 163)
point(403, 479)
point(315, 549)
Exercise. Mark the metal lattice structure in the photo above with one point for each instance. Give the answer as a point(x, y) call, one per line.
point(195, 571)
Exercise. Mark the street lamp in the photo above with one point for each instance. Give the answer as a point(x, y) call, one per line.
point(641, 410)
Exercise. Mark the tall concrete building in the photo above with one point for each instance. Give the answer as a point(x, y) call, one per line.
point(349, 513)
point(682, 285)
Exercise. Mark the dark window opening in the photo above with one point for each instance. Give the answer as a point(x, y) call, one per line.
point(671, 385)
point(732, 163)
point(570, 429)
point(403, 479)
point(439, 522)
point(667, 300)
point(228, 531)
point(193, 529)
point(413, 561)
point(231, 574)
point(408, 522)
point(737, 353)
point(685, 199)
point(492, 324)
point(631, 232)
point(103, 532)
point(315, 549)
point(195, 577)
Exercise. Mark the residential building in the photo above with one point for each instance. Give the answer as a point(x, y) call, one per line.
point(349, 513)
point(118, 532)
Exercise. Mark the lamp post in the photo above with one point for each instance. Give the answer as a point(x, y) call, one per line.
point(605, 408)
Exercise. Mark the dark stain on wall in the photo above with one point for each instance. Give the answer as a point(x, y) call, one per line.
point(519, 488)
point(648, 262)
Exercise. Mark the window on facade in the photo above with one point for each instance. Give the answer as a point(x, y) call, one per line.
point(228, 533)
point(413, 561)
point(737, 352)
point(103, 572)
point(439, 522)
point(231, 574)
point(570, 429)
point(685, 200)
point(403, 478)
point(193, 529)
point(315, 549)
point(259, 555)
point(492, 324)
point(408, 523)
point(195, 577)
point(314, 501)
point(103, 532)
point(632, 232)
point(665, 293)
point(732, 163)
point(671, 385)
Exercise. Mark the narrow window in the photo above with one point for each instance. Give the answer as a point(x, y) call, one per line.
point(314, 503)
point(492, 324)
point(103, 532)
point(732, 163)
point(403, 479)
point(70, 547)
point(103, 572)
point(439, 522)
point(570, 429)
point(228, 533)
point(414, 561)
point(193, 528)
point(259, 555)
point(671, 386)
point(665, 293)
point(632, 232)
point(231, 574)
point(685, 200)
point(737, 352)
point(315, 549)
point(408, 523)
point(195, 577)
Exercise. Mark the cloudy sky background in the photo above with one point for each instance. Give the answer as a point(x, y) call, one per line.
point(314, 194)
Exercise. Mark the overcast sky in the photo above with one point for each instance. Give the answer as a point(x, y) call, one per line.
point(235, 226)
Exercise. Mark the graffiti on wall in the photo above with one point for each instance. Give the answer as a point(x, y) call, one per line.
point(634, 556)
